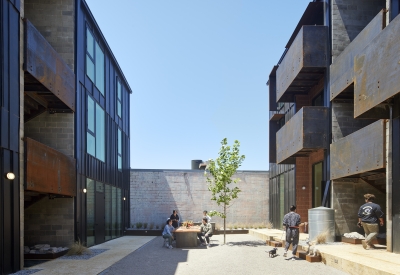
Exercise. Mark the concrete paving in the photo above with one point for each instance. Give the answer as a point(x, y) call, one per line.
point(243, 254)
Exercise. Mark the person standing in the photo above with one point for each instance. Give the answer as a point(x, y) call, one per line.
point(206, 232)
point(291, 222)
point(175, 219)
point(368, 216)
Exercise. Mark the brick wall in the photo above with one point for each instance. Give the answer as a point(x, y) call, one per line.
point(53, 130)
point(50, 222)
point(347, 197)
point(343, 122)
point(304, 178)
point(303, 197)
point(155, 193)
point(349, 17)
point(55, 20)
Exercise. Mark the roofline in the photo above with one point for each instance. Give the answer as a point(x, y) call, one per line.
point(191, 170)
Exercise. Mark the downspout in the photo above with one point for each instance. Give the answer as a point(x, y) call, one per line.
point(389, 180)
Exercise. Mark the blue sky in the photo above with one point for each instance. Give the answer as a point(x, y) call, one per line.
point(198, 71)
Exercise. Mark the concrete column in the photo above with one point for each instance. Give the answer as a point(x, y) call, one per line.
point(389, 180)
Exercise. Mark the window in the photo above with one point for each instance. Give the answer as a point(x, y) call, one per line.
point(90, 221)
point(317, 184)
point(95, 142)
point(94, 61)
point(318, 100)
point(119, 98)
point(119, 149)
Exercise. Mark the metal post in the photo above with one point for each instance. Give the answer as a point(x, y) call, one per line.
point(389, 180)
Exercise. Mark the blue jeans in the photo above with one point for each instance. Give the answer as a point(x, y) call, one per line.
point(169, 237)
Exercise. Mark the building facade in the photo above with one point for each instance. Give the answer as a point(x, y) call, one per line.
point(65, 130)
point(334, 112)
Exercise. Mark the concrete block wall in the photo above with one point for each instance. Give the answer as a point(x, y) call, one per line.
point(343, 121)
point(155, 193)
point(349, 17)
point(347, 197)
point(53, 130)
point(50, 222)
point(55, 20)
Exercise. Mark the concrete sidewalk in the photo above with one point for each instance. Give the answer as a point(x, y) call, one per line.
point(350, 258)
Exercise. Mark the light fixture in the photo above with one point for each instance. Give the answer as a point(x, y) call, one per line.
point(84, 190)
point(10, 176)
point(124, 198)
point(304, 187)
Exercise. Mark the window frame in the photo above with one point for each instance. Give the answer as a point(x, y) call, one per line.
point(119, 146)
point(119, 98)
point(93, 59)
point(94, 133)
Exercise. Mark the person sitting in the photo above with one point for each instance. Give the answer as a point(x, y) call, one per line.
point(175, 219)
point(206, 232)
point(167, 233)
point(206, 216)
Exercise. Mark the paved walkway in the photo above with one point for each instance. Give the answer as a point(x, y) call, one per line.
point(243, 254)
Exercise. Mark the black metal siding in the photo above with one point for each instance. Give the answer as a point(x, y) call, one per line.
point(88, 166)
point(9, 136)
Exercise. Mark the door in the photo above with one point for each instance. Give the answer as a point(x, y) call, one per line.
point(100, 214)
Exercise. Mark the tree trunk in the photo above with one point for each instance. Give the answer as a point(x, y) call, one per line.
point(224, 223)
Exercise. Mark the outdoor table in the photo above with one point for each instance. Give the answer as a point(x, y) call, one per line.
point(186, 237)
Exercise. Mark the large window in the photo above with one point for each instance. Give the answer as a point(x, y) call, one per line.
point(94, 61)
point(119, 98)
point(95, 130)
point(119, 149)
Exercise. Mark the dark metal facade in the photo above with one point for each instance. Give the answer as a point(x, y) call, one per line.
point(9, 136)
point(89, 167)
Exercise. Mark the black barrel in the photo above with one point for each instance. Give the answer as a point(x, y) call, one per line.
point(196, 163)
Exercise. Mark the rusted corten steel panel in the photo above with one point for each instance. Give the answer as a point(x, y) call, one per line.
point(49, 171)
point(305, 132)
point(342, 68)
point(377, 71)
point(46, 66)
point(304, 64)
point(272, 89)
point(359, 152)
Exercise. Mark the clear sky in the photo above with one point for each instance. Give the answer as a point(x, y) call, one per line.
point(198, 70)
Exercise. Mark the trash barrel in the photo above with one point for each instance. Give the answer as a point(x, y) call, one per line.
point(321, 220)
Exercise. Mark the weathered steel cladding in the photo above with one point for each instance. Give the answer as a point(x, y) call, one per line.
point(377, 70)
point(342, 68)
point(47, 66)
point(305, 132)
point(396, 184)
point(88, 166)
point(48, 171)
point(359, 152)
point(9, 136)
point(273, 128)
point(272, 89)
point(304, 63)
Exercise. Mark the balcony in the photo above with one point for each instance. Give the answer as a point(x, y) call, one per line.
point(376, 73)
point(304, 133)
point(360, 152)
point(342, 68)
point(48, 171)
point(49, 82)
point(304, 63)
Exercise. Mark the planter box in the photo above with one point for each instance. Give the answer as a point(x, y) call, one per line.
point(47, 256)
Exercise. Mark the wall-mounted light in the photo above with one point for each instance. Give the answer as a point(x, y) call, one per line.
point(303, 187)
point(10, 176)
point(84, 190)
point(124, 198)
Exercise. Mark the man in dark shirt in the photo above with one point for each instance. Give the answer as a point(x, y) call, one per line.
point(291, 222)
point(368, 217)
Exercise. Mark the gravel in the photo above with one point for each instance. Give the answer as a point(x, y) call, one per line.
point(242, 254)
point(86, 256)
point(26, 272)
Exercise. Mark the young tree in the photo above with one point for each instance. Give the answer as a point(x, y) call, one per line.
point(221, 170)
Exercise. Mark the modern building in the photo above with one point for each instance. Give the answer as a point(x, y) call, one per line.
point(335, 114)
point(64, 130)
